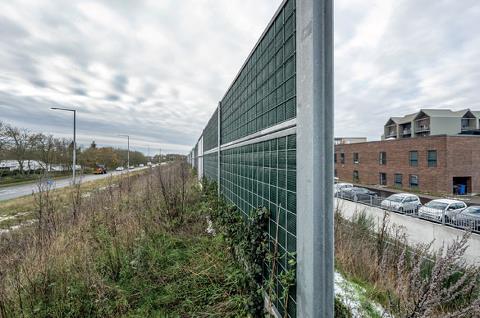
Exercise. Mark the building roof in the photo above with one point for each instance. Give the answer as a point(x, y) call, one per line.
point(407, 118)
point(431, 112)
point(443, 112)
point(475, 113)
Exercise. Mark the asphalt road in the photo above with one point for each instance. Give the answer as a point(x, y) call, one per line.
point(13, 192)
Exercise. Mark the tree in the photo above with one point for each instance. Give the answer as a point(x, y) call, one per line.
point(20, 144)
point(3, 138)
point(46, 149)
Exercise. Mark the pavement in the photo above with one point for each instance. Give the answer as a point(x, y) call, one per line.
point(17, 191)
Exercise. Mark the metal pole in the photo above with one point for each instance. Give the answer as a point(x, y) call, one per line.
point(219, 141)
point(315, 249)
point(128, 153)
point(74, 145)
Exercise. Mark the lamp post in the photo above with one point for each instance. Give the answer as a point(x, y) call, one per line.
point(74, 139)
point(128, 150)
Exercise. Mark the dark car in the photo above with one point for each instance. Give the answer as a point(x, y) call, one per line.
point(468, 218)
point(357, 194)
point(100, 169)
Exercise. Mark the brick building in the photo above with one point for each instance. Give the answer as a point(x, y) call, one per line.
point(434, 164)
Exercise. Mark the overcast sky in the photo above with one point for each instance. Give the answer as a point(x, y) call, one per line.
point(157, 69)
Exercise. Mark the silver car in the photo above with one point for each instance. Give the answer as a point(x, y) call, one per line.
point(441, 209)
point(339, 187)
point(468, 218)
point(401, 202)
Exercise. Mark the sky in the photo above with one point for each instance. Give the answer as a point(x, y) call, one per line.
point(156, 69)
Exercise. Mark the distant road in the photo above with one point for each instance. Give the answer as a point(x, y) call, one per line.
point(13, 192)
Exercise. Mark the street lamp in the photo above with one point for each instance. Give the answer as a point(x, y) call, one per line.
point(128, 152)
point(74, 138)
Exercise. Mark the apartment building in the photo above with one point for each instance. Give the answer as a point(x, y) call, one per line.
point(440, 164)
point(433, 122)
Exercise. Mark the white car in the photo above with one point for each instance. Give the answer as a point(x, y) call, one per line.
point(339, 187)
point(141, 165)
point(437, 209)
point(120, 169)
point(402, 202)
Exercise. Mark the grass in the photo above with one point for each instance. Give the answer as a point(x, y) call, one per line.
point(23, 208)
point(408, 281)
point(124, 254)
point(9, 181)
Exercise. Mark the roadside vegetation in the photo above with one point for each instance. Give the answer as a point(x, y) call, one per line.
point(138, 248)
point(407, 281)
point(22, 210)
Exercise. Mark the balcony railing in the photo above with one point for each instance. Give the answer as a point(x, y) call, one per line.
point(422, 128)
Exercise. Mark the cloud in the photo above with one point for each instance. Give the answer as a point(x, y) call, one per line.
point(394, 57)
point(157, 69)
point(151, 69)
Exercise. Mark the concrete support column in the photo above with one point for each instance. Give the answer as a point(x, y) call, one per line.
point(315, 249)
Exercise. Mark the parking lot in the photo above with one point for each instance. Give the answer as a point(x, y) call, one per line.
point(450, 212)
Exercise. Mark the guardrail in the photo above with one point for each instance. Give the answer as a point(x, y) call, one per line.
point(457, 221)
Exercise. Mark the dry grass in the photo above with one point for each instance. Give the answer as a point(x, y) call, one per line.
point(411, 281)
point(119, 252)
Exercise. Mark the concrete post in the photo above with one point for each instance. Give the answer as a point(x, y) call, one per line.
point(315, 263)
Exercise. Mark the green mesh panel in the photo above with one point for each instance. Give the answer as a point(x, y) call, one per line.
point(263, 94)
point(210, 166)
point(210, 134)
point(264, 175)
point(195, 161)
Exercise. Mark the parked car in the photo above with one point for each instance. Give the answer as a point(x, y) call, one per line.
point(436, 209)
point(469, 218)
point(357, 194)
point(340, 186)
point(141, 165)
point(100, 169)
point(402, 202)
point(120, 169)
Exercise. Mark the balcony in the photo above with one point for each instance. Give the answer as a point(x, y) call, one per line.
point(390, 132)
point(468, 124)
point(406, 133)
point(422, 126)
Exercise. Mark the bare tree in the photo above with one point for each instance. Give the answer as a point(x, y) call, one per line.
point(20, 144)
point(3, 139)
point(46, 149)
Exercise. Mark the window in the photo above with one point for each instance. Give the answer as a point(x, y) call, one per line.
point(335, 173)
point(355, 157)
point(413, 158)
point(342, 158)
point(382, 178)
point(382, 158)
point(335, 158)
point(398, 179)
point(413, 181)
point(356, 176)
point(432, 158)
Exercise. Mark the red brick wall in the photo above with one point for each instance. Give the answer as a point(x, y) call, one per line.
point(456, 156)
point(463, 157)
